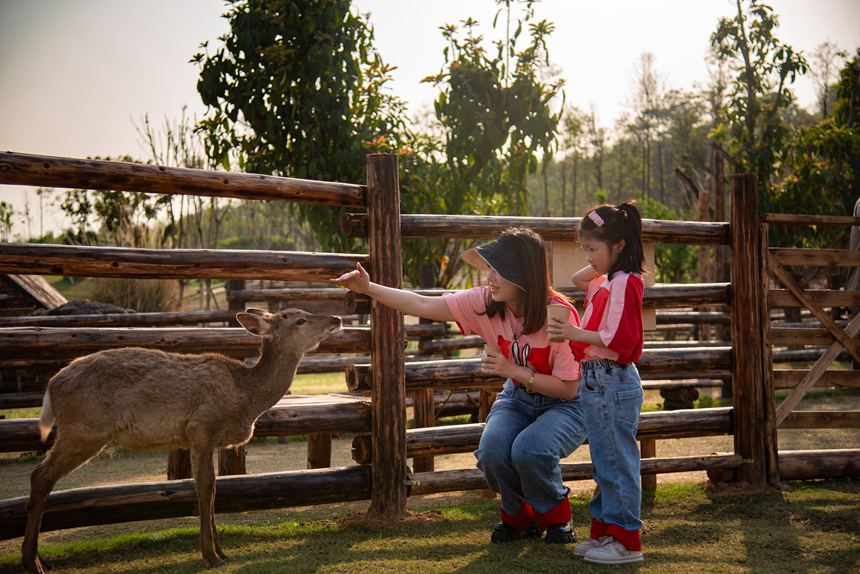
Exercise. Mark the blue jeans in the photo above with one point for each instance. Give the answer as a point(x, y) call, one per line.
point(611, 399)
point(525, 437)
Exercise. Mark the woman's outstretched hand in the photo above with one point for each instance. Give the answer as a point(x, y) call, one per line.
point(356, 280)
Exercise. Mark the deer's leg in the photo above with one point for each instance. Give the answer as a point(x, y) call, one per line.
point(204, 474)
point(214, 530)
point(66, 455)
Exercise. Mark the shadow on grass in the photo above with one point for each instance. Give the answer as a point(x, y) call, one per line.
point(812, 528)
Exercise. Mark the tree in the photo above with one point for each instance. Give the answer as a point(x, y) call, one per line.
point(825, 63)
point(752, 124)
point(7, 213)
point(823, 165)
point(493, 116)
point(647, 121)
point(297, 89)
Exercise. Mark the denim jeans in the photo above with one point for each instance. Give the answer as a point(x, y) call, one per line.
point(611, 400)
point(525, 437)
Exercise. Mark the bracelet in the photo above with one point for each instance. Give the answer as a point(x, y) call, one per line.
point(530, 384)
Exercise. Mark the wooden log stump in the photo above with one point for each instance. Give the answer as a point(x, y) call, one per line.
point(231, 461)
point(679, 398)
point(648, 449)
point(179, 464)
point(319, 450)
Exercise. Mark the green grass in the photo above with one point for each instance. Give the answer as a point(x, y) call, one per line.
point(811, 528)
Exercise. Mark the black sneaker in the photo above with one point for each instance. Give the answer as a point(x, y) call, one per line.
point(560, 534)
point(506, 533)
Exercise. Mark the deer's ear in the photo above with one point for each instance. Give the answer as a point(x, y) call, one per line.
point(259, 326)
point(257, 311)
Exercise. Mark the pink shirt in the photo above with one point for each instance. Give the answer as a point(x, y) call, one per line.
point(614, 310)
point(534, 349)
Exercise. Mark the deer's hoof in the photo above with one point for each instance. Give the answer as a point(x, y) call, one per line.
point(34, 566)
point(216, 562)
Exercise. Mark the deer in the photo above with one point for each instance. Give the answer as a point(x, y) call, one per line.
point(148, 399)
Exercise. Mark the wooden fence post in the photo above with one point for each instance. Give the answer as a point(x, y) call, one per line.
point(748, 396)
point(388, 425)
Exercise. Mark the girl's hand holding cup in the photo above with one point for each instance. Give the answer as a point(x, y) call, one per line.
point(558, 322)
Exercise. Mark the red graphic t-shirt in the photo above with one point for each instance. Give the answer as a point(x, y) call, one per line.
point(614, 310)
point(534, 350)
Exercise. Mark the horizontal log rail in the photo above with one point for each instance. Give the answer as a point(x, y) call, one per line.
point(789, 378)
point(57, 342)
point(798, 219)
point(669, 385)
point(83, 261)
point(20, 400)
point(811, 464)
point(175, 498)
point(801, 335)
point(550, 228)
point(473, 479)
point(452, 439)
point(49, 171)
point(816, 257)
point(823, 297)
point(160, 319)
point(659, 296)
point(464, 373)
point(693, 318)
point(288, 294)
point(803, 355)
point(822, 420)
point(452, 344)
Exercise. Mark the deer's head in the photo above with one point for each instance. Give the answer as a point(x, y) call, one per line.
point(290, 329)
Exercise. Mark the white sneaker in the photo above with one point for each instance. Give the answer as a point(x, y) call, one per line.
point(582, 549)
point(613, 552)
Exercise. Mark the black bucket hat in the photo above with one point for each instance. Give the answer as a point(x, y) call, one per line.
point(502, 256)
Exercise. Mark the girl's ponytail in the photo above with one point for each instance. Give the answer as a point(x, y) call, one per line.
point(632, 257)
point(613, 224)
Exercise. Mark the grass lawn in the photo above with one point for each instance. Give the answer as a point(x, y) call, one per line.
point(813, 527)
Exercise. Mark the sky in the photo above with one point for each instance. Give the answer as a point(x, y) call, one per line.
point(75, 75)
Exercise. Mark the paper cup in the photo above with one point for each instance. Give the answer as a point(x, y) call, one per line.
point(490, 347)
point(560, 312)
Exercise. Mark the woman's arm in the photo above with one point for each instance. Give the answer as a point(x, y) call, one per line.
point(584, 276)
point(549, 385)
point(404, 301)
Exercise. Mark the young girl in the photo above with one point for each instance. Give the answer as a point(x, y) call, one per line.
point(537, 418)
point(607, 346)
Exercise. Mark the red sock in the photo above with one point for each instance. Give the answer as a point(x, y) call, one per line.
point(558, 514)
point(522, 519)
point(598, 529)
point(629, 538)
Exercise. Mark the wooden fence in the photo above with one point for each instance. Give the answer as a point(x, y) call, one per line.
point(387, 482)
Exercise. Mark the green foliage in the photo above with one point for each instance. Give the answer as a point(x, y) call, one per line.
point(675, 263)
point(297, 89)
point(823, 162)
point(752, 124)
point(493, 116)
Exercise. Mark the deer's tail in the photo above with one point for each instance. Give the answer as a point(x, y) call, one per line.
point(46, 417)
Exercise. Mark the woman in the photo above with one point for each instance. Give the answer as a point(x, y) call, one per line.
point(537, 418)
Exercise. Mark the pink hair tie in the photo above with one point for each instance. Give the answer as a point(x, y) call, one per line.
point(595, 217)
